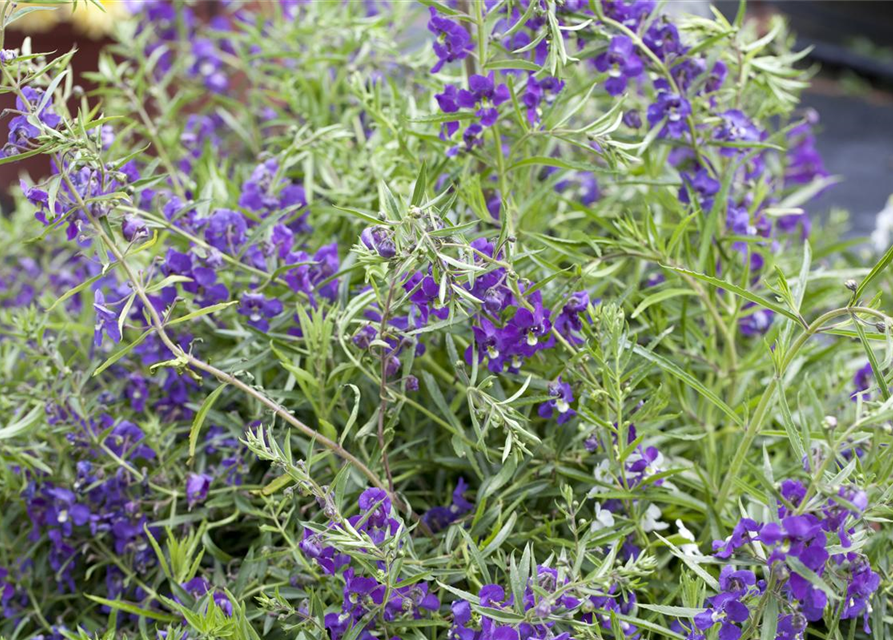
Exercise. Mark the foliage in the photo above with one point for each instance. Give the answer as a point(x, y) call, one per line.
point(517, 327)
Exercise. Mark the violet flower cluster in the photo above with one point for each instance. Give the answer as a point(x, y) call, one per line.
point(363, 594)
point(797, 547)
point(551, 599)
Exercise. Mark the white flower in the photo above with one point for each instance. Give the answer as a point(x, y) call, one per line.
point(651, 519)
point(603, 518)
point(883, 225)
point(602, 477)
point(690, 548)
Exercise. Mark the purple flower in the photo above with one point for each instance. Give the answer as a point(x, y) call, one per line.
point(630, 13)
point(863, 379)
point(804, 162)
point(632, 119)
point(482, 90)
point(439, 518)
point(717, 76)
point(137, 391)
point(862, 584)
point(258, 309)
point(208, 65)
point(226, 230)
point(492, 343)
point(744, 532)
point(672, 109)
point(663, 39)
point(727, 607)
point(125, 440)
point(313, 546)
point(737, 128)
point(453, 41)
point(686, 71)
point(376, 507)
point(757, 322)
point(791, 627)
point(702, 185)
point(561, 395)
point(134, 228)
point(379, 239)
point(197, 485)
point(106, 320)
point(535, 92)
point(621, 64)
point(569, 322)
point(484, 96)
point(199, 586)
point(21, 131)
point(531, 326)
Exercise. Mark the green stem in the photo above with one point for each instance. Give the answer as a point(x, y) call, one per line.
point(759, 415)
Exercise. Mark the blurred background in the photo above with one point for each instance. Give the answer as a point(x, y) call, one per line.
point(852, 93)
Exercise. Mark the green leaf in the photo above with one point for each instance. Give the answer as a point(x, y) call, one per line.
point(869, 352)
point(805, 572)
point(676, 612)
point(524, 65)
point(660, 296)
point(353, 414)
point(368, 216)
point(421, 183)
point(202, 312)
point(744, 293)
point(691, 564)
point(23, 424)
point(127, 607)
point(549, 161)
point(876, 270)
point(121, 353)
point(476, 555)
point(688, 379)
point(770, 619)
point(500, 537)
point(200, 418)
point(74, 291)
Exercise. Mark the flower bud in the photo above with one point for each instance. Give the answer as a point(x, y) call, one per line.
point(851, 285)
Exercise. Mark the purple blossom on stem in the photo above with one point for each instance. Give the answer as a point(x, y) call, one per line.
point(439, 518)
point(380, 240)
point(702, 185)
point(259, 309)
point(569, 322)
point(672, 109)
point(106, 320)
point(863, 379)
point(133, 228)
point(736, 128)
point(452, 42)
point(561, 395)
point(757, 322)
point(621, 64)
point(197, 485)
point(208, 65)
point(535, 91)
point(662, 38)
point(727, 607)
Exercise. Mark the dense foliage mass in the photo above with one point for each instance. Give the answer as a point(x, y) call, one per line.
point(514, 328)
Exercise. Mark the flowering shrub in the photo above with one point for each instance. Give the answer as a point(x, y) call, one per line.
point(323, 325)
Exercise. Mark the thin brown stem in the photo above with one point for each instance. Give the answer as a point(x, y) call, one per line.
point(196, 363)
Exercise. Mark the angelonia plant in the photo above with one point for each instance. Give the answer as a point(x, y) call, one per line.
point(473, 320)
